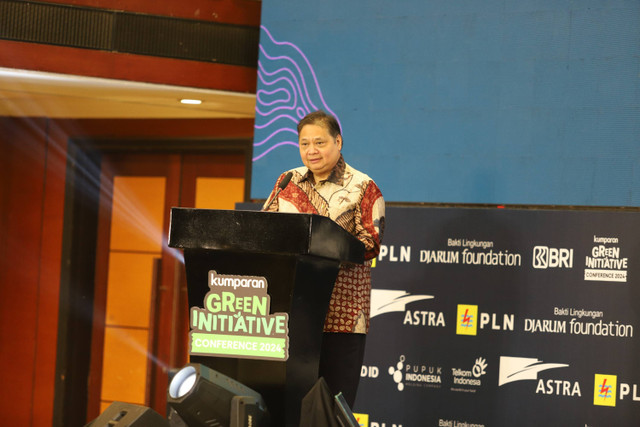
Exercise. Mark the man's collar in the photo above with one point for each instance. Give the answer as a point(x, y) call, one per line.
point(336, 176)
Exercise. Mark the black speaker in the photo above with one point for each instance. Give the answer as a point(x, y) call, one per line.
point(120, 414)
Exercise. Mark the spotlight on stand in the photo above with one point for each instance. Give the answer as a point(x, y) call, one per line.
point(203, 397)
point(120, 414)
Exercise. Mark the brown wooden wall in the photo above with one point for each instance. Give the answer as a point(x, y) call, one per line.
point(31, 230)
point(32, 183)
point(32, 173)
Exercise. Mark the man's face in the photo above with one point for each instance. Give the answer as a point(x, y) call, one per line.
point(319, 151)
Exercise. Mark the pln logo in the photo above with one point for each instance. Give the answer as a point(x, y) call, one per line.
point(604, 391)
point(467, 320)
point(362, 419)
point(545, 257)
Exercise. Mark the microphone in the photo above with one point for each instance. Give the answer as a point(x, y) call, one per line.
point(281, 186)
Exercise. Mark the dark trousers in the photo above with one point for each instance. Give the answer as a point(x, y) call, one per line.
point(341, 361)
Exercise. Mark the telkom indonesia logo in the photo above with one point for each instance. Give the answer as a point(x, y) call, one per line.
point(479, 368)
point(522, 368)
point(604, 391)
point(388, 301)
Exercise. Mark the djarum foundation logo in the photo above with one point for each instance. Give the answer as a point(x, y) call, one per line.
point(604, 390)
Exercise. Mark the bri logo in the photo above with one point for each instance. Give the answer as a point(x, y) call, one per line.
point(467, 320)
point(604, 391)
point(546, 257)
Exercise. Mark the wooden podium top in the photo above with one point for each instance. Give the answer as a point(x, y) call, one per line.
point(263, 232)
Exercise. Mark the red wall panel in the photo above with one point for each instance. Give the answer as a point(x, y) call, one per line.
point(176, 128)
point(24, 148)
point(86, 62)
point(121, 66)
point(240, 12)
point(49, 280)
point(32, 174)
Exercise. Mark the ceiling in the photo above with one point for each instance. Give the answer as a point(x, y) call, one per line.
point(25, 93)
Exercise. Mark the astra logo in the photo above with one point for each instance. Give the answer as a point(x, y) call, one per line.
point(546, 257)
point(387, 301)
point(522, 368)
point(604, 390)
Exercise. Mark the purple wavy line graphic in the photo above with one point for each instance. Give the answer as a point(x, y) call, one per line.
point(273, 92)
point(282, 116)
point(274, 133)
point(293, 75)
point(288, 89)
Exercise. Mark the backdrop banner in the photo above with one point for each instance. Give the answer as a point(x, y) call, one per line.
point(503, 317)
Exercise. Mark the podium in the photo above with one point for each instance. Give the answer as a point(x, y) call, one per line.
point(299, 255)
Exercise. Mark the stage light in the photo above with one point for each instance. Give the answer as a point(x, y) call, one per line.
point(120, 414)
point(183, 382)
point(204, 397)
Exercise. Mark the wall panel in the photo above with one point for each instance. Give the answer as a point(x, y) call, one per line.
point(32, 183)
point(25, 152)
point(108, 64)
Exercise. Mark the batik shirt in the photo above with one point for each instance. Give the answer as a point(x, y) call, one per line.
point(353, 201)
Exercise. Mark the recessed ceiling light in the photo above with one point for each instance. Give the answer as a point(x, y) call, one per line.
point(191, 101)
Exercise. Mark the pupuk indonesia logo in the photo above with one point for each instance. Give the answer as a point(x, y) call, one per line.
point(415, 375)
point(396, 373)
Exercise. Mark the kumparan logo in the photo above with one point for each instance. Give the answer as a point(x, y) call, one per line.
point(362, 419)
point(467, 320)
point(604, 391)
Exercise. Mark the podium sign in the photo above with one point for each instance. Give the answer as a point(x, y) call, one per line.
point(254, 279)
point(235, 321)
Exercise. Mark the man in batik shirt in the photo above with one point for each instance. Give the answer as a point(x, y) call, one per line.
point(327, 186)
